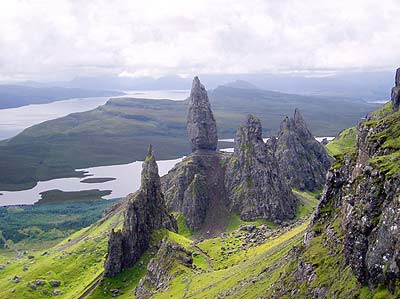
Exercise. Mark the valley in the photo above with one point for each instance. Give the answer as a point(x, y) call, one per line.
point(295, 246)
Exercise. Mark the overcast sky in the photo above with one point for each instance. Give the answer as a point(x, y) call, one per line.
point(61, 39)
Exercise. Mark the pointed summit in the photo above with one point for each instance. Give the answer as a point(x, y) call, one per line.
point(298, 118)
point(201, 125)
point(252, 128)
point(145, 212)
point(150, 171)
point(302, 159)
point(396, 91)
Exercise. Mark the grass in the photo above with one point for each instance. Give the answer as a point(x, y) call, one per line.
point(235, 222)
point(239, 275)
point(76, 262)
point(183, 229)
point(307, 202)
point(344, 143)
point(387, 128)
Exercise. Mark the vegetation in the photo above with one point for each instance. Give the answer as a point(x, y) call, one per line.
point(387, 133)
point(344, 143)
point(27, 227)
point(58, 196)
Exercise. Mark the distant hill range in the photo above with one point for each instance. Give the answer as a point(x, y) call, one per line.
point(367, 85)
point(120, 131)
point(12, 96)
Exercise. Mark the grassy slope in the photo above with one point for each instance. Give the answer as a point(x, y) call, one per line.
point(389, 137)
point(343, 143)
point(55, 148)
point(78, 261)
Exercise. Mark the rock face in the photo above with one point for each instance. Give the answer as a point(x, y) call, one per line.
point(365, 190)
point(195, 187)
point(158, 271)
point(254, 184)
point(201, 125)
point(145, 212)
point(303, 161)
point(396, 91)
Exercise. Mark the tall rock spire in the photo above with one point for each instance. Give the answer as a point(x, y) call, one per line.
point(146, 212)
point(396, 91)
point(201, 125)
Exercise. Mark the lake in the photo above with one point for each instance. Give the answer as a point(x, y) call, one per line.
point(127, 180)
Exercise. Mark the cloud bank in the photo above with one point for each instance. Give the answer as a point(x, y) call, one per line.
point(66, 38)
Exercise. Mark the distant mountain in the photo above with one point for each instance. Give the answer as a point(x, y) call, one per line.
point(12, 96)
point(367, 85)
point(241, 84)
point(120, 131)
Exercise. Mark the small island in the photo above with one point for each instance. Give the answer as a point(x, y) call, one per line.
point(97, 180)
point(59, 196)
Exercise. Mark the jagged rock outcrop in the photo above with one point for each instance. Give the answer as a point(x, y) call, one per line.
point(201, 125)
point(396, 91)
point(145, 212)
point(302, 160)
point(195, 187)
point(254, 184)
point(159, 272)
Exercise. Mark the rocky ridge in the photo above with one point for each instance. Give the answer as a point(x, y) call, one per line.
point(254, 185)
point(303, 161)
point(145, 212)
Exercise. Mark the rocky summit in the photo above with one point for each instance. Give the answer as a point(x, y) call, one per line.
point(396, 91)
point(303, 161)
point(253, 181)
point(145, 212)
point(207, 185)
point(201, 125)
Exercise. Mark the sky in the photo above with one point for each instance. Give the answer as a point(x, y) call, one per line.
point(62, 39)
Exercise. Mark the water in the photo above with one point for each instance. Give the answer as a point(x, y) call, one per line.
point(127, 180)
point(175, 95)
point(15, 120)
